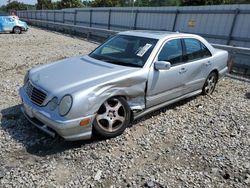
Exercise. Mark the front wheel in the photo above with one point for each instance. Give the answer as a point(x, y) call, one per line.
point(112, 118)
point(210, 84)
point(17, 30)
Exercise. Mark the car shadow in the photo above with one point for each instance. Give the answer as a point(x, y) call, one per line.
point(4, 33)
point(40, 144)
point(10, 33)
point(163, 110)
point(35, 141)
point(247, 95)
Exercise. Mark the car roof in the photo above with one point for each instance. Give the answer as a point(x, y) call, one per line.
point(155, 34)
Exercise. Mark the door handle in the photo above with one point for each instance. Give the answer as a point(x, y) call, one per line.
point(183, 70)
point(208, 63)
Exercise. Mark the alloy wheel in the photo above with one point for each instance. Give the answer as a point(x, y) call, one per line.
point(111, 116)
point(210, 84)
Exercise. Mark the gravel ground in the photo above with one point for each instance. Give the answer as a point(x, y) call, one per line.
point(199, 142)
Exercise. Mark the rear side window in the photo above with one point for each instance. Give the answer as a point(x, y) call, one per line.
point(171, 52)
point(195, 50)
point(205, 51)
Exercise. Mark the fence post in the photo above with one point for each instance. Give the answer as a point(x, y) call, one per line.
point(63, 17)
point(90, 17)
point(175, 19)
point(135, 22)
point(54, 16)
point(75, 14)
point(237, 11)
point(47, 16)
point(109, 20)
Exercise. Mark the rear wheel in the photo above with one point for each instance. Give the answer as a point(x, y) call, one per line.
point(112, 118)
point(210, 84)
point(17, 30)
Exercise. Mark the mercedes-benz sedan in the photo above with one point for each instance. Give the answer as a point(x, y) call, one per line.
point(129, 75)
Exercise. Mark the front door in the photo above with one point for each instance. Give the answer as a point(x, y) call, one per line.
point(8, 23)
point(164, 85)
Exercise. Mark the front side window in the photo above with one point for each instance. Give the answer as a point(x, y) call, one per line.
point(171, 52)
point(195, 50)
point(125, 50)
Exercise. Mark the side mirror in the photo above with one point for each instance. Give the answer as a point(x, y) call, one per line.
point(162, 65)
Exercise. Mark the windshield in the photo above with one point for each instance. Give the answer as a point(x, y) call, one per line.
point(125, 50)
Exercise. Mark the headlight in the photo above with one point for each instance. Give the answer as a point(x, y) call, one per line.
point(26, 77)
point(65, 105)
point(53, 104)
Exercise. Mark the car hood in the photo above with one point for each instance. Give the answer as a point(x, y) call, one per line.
point(21, 23)
point(70, 75)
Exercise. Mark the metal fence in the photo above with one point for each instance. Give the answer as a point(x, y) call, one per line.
point(224, 24)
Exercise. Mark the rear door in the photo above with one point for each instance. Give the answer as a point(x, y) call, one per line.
point(197, 59)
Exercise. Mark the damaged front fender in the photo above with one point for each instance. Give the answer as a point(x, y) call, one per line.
point(131, 86)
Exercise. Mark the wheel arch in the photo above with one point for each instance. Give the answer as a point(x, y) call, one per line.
point(216, 72)
point(16, 26)
point(127, 99)
point(127, 119)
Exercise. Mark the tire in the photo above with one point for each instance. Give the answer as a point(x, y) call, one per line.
point(17, 30)
point(112, 118)
point(210, 84)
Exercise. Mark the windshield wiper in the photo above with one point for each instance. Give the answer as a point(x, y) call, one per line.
point(120, 62)
point(113, 61)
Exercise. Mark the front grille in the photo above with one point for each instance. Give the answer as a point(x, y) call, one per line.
point(37, 96)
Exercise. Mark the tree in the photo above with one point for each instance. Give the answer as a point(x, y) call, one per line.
point(14, 5)
point(157, 2)
point(141, 3)
point(212, 2)
point(70, 4)
point(3, 9)
point(111, 3)
point(44, 4)
point(103, 3)
point(87, 3)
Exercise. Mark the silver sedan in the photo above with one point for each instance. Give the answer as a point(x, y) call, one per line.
point(129, 75)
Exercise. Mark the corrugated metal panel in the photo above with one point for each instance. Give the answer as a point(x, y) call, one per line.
point(219, 24)
point(59, 17)
point(82, 18)
point(69, 17)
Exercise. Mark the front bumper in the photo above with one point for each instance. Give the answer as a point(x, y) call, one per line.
point(25, 29)
point(68, 129)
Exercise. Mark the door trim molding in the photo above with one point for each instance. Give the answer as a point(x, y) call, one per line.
point(153, 108)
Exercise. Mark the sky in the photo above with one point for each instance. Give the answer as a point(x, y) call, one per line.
point(3, 2)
